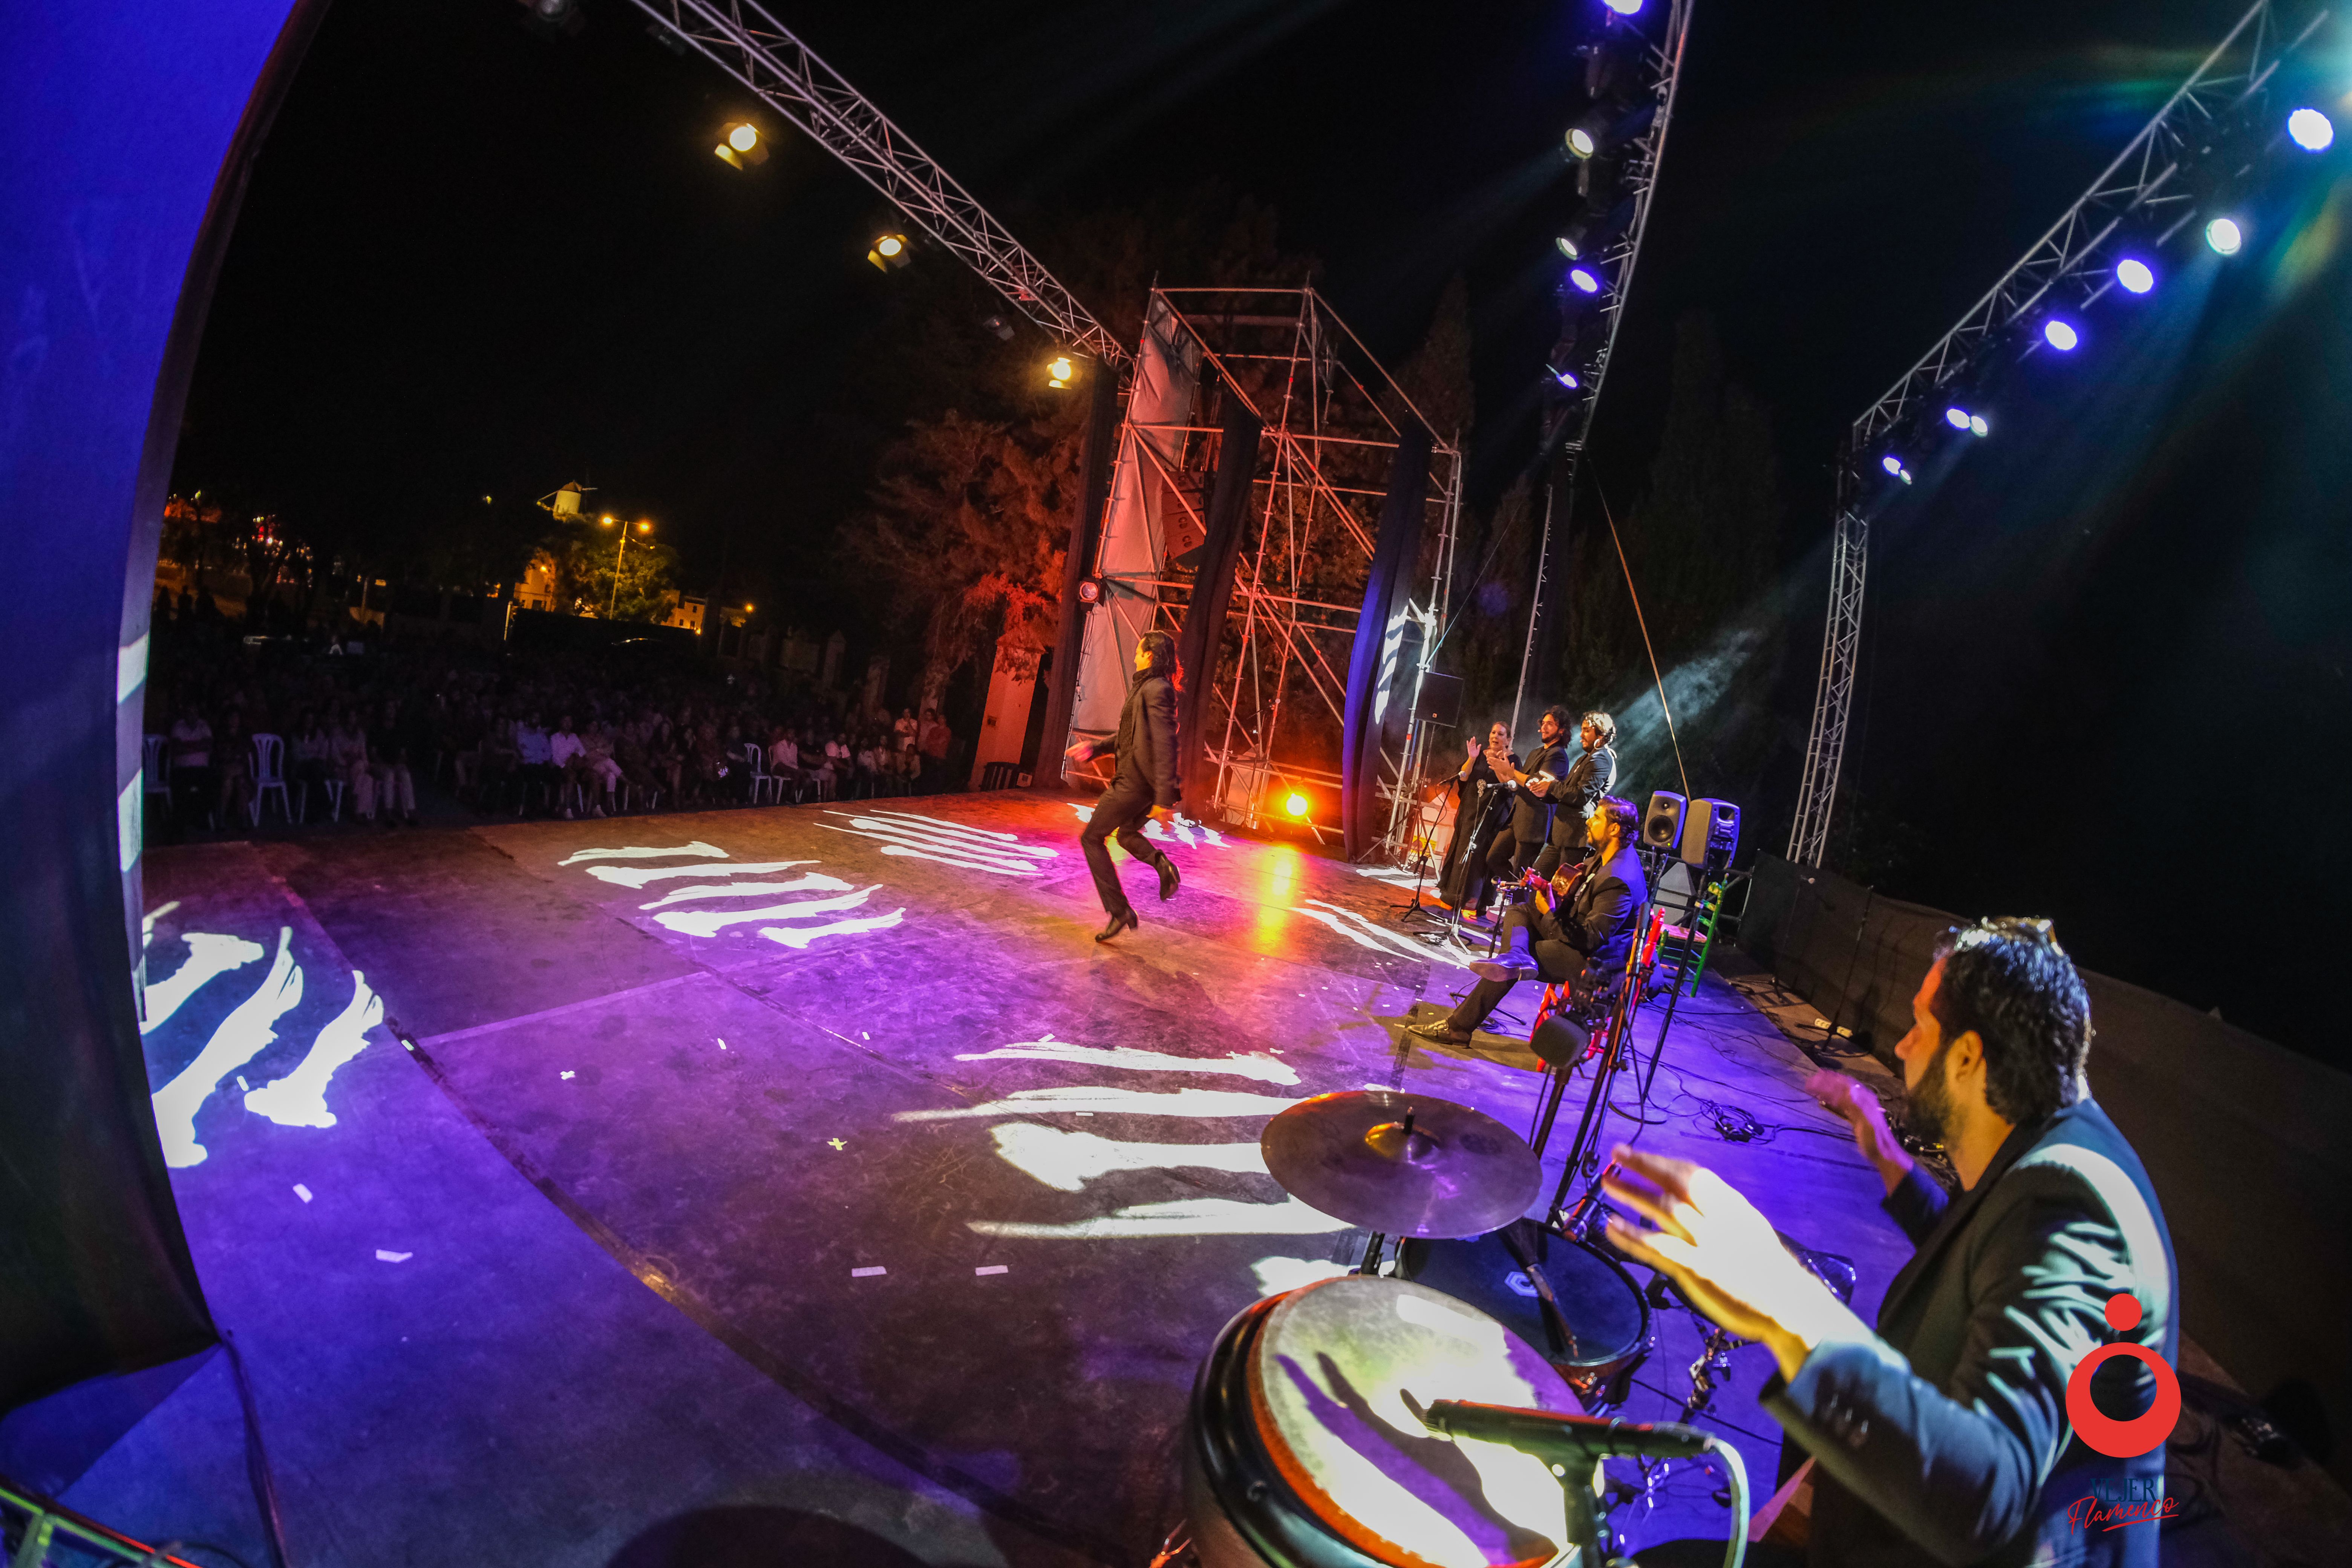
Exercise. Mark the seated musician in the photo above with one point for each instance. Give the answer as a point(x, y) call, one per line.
point(1555, 936)
point(1950, 1433)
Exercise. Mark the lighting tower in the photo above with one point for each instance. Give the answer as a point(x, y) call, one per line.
point(2149, 193)
point(1617, 145)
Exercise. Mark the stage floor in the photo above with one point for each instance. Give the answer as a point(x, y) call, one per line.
point(807, 1172)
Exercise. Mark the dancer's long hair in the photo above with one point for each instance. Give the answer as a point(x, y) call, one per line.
point(1163, 658)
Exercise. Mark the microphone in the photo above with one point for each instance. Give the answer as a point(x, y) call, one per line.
point(1550, 1434)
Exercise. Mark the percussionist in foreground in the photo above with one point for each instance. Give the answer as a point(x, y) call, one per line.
point(1944, 1436)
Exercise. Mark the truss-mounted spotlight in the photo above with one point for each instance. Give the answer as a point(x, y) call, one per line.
point(1584, 279)
point(1624, 8)
point(742, 146)
point(2061, 336)
point(889, 252)
point(1567, 380)
point(1060, 371)
point(1957, 418)
point(2225, 235)
point(998, 328)
point(1891, 463)
point(1583, 140)
point(1090, 590)
point(1979, 426)
point(2135, 275)
point(1571, 241)
point(2311, 131)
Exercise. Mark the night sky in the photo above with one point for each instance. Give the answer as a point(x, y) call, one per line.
point(2105, 672)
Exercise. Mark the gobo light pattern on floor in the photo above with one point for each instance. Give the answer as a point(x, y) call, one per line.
point(905, 833)
point(831, 909)
point(297, 1100)
point(1066, 1161)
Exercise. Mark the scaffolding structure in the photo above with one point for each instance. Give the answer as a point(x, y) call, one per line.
point(1331, 413)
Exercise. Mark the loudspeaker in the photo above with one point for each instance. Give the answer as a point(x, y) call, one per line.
point(1712, 835)
point(1662, 825)
point(1441, 699)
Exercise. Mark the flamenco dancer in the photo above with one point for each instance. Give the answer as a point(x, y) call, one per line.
point(1144, 786)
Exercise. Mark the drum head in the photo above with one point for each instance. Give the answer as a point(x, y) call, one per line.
point(1329, 1379)
point(1607, 1319)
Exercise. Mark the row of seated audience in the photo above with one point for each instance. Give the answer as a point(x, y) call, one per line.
point(355, 732)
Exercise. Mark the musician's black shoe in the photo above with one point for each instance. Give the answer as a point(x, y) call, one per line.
point(1123, 922)
point(1508, 967)
point(1169, 880)
point(1441, 1030)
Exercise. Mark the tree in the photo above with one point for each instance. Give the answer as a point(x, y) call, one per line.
point(585, 565)
point(970, 530)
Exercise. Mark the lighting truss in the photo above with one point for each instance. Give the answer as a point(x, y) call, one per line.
point(759, 51)
point(1330, 429)
point(2072, 264)
point(1663, 60)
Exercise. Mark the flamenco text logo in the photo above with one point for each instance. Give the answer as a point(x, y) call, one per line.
point(2139, 1498)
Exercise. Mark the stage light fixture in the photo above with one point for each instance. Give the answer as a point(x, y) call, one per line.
point(1581, 142)
point(2060, 335)
point(2311, 131)
point(1958, 418)
point(740, 145)
point(1891, 463)
point(2135, 275)
point(1585, 280)
point(1624, 8)
point(2225, 236)
point(1060, 372)
point(1571, 245)
point(890, 251)
point(1978, 425)
point(1296, 805)
point(1567, 379)
point(998, 328)
point(1090, 590)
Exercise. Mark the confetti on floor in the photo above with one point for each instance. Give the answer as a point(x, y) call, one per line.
point(384, 1257)
point(302, 1192)
point(995, 1268)
point(866, 1273)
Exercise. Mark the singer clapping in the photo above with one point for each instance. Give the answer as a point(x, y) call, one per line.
point(1944, 1436)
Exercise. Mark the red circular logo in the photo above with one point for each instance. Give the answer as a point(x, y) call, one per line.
point(2143, 1434)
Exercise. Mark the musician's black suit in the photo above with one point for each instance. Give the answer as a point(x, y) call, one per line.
point(1944, 1438)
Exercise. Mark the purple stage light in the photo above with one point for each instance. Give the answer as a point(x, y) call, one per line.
point(1958, 418)
point(1891, 463)
point(1567, 378)
point(2060, 335)
point(2135, 275)
point(1623, 7)
point(1587, 281)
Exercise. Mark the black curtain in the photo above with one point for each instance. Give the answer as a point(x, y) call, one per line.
point(1061, 675)
point(1392, 557)
point(1203, 634)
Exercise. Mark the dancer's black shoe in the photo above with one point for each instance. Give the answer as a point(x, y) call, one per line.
point(1169, 880)
point(1440, 1029)
point(1123, 922)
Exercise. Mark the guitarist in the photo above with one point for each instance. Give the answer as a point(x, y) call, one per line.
point(1584, 915)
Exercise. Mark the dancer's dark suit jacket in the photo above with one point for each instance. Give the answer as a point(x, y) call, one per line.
point(1945, 1439)
point(1145, 777)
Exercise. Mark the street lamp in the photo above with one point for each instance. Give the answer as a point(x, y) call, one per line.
point(643, 526)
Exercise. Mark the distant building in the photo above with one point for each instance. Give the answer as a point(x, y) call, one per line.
point(686, 612)
point(537, 589)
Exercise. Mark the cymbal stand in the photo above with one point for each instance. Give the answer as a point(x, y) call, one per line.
point(1586, 1147)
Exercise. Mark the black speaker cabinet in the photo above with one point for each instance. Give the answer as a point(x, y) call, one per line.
point(1662, 825)
point(1712, 834)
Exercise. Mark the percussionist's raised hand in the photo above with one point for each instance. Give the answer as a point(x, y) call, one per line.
point(1853, 1099)
point(1724, 1254)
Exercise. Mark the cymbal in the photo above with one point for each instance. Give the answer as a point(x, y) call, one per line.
point(1405, 1164)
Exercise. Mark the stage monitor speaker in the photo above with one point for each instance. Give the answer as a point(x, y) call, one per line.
point(1441, 699)
point(1712, 834)
point(1662, 825)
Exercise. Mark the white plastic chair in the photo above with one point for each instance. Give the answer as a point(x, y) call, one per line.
point(270, 773)
point(761, 779)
